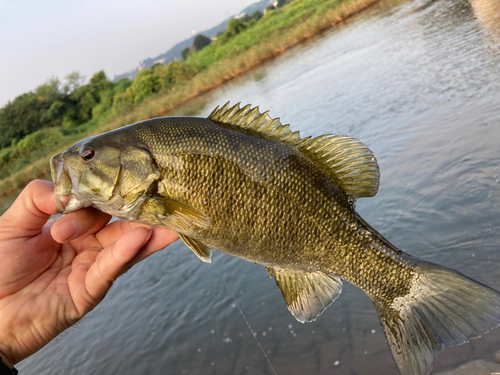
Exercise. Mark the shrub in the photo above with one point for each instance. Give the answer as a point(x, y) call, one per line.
point(145, 84)
point(34, 140)
point(174, 73)
point(123, 102)
point(200, 42)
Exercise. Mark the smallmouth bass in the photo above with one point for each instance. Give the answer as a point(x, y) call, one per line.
point(242, 183)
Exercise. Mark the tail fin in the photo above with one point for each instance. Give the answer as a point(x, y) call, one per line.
point(443, 308)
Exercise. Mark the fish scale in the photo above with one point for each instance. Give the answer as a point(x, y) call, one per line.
point(241, 183)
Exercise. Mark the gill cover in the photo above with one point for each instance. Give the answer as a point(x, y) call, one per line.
point(103, 171)
point(138, 173)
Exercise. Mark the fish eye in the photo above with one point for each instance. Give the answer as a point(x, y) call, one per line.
point(87, 154)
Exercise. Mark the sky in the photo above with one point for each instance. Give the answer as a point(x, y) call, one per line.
point(41, 39)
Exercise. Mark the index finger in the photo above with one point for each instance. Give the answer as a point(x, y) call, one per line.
point(79, 223)
point(162, 236)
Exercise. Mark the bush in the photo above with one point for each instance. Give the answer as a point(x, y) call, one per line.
point(200, 42)
point(257, 15)
point(122, 85)
point(27, 113)
point(146, 83)
point(34, 140)
point(235, 26)
point(5, 155)
point(123, 102)
point(174, 73)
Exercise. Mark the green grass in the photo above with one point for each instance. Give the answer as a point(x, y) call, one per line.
point(281, 20)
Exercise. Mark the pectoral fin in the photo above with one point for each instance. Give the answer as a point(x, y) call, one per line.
point(307, 294)
point(202, 251)
point(175, 215)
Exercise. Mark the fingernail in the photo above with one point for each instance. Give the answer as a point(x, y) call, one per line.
point(147, 239)
point(66, 230)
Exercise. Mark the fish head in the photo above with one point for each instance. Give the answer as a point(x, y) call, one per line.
point(113, 172)
point(85, 174)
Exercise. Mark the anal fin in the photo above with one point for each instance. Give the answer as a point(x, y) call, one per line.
point(307, 294)
point(201, 251)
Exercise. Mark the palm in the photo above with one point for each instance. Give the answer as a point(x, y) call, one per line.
point(46, 286)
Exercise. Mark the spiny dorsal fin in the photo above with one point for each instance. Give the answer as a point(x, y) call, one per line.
point(307, 294)
point(348, 161)
point(251, 118)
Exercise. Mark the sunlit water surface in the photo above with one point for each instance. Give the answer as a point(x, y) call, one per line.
point(419, 83)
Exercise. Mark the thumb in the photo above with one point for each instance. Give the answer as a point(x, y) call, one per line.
point(33, 207)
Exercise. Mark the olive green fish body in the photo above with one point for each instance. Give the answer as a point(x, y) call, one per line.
point(241, 183)
point(268, 203)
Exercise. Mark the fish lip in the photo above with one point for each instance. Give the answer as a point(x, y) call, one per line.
point(63, 190)
point(53, 167)
point(62, 202)
point(60, 176)
point(66, 179)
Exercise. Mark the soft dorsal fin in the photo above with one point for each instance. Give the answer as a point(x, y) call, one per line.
point(307, 294)
point(348, 161)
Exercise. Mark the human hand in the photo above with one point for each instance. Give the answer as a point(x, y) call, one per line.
point(52, 273)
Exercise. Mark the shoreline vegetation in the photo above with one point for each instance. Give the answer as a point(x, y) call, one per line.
point(76, 112)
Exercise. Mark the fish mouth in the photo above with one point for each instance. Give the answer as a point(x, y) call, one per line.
point(66, 182)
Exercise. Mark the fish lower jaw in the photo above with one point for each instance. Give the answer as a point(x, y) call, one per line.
point(129, 212)
point(66, 204)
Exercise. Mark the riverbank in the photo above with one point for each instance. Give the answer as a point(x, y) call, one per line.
point(306, 24)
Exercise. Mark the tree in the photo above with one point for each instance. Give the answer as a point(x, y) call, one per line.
point(30, 112)
point(20, 118)
point(245, 18)
point(200, 42)
point(88, 96)
point(282, 3)
point(122, 99)
point(50, 106)
point(270, 7)
point(99, 83)
point(257, 15)
point(73, 81)
point(49, 90)
point(145, 84)
point(234, 27)
point(174, 73)
point(185, 53)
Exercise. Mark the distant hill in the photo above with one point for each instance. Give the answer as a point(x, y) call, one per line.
point(175, 53)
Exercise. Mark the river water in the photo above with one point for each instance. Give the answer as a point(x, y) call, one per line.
point(419, 83)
